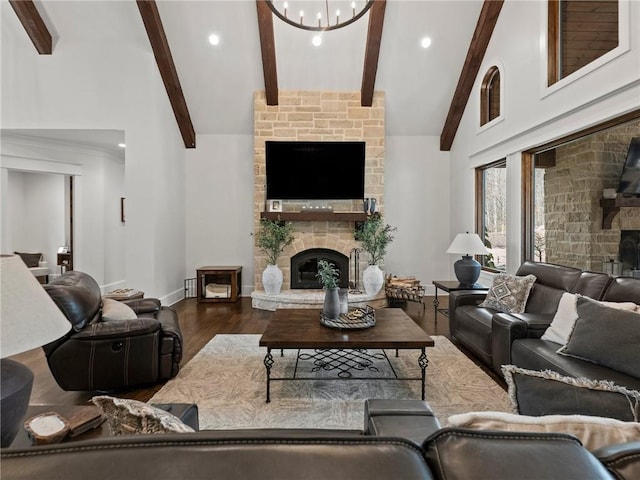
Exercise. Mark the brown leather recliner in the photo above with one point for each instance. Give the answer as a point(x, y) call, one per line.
point(110, 355)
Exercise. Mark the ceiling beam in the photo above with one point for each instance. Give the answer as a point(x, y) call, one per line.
point(372, 52)
point(34, 25)
point(484, 28)
point(162, 52)
point(268, 47)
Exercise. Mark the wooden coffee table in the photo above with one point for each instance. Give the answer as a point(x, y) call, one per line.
point(299, 329)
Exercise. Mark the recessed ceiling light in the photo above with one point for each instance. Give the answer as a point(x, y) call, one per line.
point(425, 42)
point(122, 145)
point(316, 40)
point(214, 39)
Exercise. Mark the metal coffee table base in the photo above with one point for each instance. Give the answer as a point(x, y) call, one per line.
point(346, 362)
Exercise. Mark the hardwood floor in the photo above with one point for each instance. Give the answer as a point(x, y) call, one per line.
point(199, 322)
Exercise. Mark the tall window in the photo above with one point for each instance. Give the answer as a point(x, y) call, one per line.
point(490, 96)
point(579, 31)
point(534, 168)
point(491, 213)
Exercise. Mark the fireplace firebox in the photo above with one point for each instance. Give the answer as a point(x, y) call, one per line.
point(304, 267)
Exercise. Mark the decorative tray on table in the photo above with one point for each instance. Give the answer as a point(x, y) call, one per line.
point(356, 319)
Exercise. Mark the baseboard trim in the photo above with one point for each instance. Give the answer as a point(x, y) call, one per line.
point(173, 297)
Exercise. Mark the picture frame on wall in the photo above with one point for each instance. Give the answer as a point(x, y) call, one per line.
point(275, 205)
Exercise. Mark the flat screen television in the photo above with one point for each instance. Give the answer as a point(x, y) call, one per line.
point(315, 170)
point(630, 179)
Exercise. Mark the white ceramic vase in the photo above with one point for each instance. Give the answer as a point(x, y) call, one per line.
point(372, 279)
point(272, 280)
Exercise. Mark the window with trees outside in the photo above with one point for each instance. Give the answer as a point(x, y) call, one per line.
point(491, 213)
point(579, 31)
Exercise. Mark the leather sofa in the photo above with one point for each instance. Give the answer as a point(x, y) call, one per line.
point(381, 451)
point(110, 355)
point(501, 338)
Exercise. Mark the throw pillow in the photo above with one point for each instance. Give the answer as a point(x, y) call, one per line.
point(593, 432)
point(30, 259)
point(562, 325)
point(509, 293)
point(545, 392)
point(606, 336)
point(114, 310)
point(131, 416)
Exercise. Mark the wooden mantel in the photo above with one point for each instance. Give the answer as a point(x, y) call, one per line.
point(315, 216)
point(611, 207)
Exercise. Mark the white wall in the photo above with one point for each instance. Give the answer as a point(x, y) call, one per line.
point(36, 214)
point(111, 84)
point(417, 203)
point(219, 205)
point(114, 230)
point(532, 113)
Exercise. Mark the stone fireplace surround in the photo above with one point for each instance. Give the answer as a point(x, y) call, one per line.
point(316, 116)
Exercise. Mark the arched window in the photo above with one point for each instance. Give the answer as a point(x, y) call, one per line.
point(490, 96)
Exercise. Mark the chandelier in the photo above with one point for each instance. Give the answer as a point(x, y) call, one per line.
point(317, 15)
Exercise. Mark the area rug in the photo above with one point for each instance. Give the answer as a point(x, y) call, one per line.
point(228, 382)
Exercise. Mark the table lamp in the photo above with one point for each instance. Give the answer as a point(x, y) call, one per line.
point(28, 319)
point(467, 269)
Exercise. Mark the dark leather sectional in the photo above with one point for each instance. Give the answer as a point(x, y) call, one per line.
point(501, 338)
point(389, 447)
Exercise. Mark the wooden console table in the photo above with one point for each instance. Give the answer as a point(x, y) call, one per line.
point(231, 277)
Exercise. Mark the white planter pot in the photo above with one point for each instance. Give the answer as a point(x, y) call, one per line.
point(372, 279)
point(272, 280)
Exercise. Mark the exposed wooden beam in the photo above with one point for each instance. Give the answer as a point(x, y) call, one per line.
point(34, 25)
point(372, 52)
point(162, 52)
point(268, 47)
point(484, 28)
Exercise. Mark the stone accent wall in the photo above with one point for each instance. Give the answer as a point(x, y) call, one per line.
point(318, 116)
point(573, 189)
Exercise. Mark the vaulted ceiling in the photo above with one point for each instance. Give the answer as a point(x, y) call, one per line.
point(422, 86)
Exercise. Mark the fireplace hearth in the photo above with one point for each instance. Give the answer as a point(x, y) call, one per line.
point(304, 267)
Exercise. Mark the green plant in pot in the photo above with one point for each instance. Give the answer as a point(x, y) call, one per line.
point(376, 236)
point(272, 237)
point(328, 275)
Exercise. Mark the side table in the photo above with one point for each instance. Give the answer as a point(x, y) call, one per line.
point(124, 294)
point(225, 281)
point(451, 286)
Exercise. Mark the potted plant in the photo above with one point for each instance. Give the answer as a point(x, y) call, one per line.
point(328, 275)
point(272, 238)
point(375, 236)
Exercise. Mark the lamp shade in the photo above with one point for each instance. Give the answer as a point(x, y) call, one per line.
point(467, 244)
point(28, 319)
point(28, 316)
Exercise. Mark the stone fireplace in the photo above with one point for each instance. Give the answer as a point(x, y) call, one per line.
point(318, 116)
point(304, 267)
